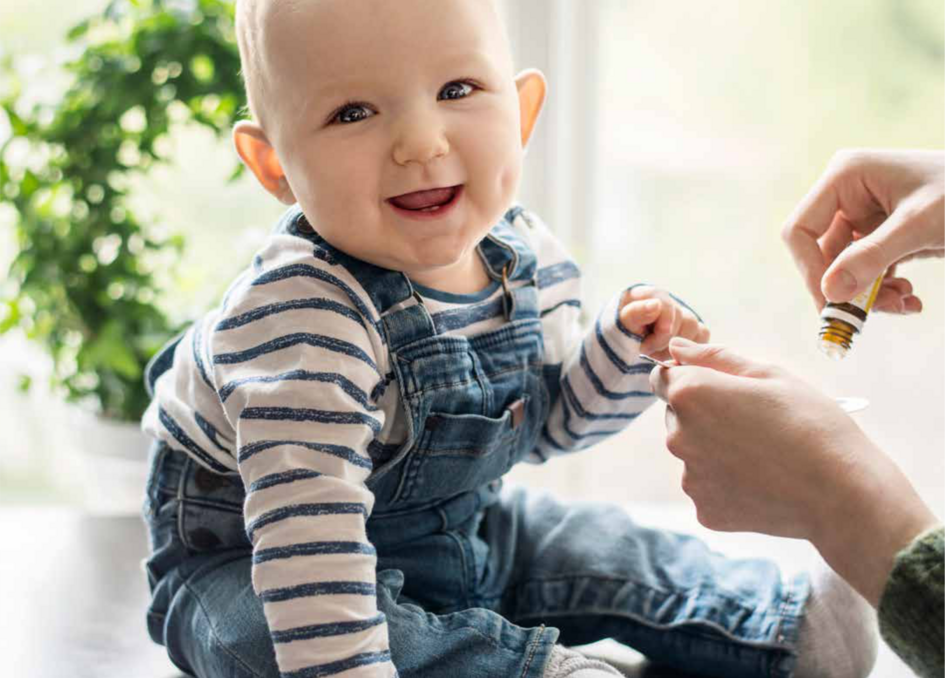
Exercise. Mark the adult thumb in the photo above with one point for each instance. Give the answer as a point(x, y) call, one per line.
point(855, 269)
point(712, 356)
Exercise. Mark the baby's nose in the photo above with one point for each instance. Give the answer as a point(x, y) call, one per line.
point(421, 141)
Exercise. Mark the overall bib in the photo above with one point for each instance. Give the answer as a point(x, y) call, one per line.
point(474, 581)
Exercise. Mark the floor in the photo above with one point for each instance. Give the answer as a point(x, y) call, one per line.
point(77, 592)
point(74, 593)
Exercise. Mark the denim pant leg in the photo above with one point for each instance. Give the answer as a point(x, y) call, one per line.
point(427, 587)
point(468, 643)
point(203, 608)
point(214, 626)
point(589, 570)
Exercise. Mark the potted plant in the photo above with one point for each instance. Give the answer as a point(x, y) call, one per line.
point(87, 275)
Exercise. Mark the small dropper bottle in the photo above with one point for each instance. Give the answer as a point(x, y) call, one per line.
point(840, 321)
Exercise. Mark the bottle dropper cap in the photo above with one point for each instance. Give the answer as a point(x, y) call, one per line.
point(832, 349)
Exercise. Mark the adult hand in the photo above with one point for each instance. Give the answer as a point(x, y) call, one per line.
point(765, 452)
point(870, 211)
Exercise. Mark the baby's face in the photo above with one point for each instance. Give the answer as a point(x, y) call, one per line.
point(397, 126)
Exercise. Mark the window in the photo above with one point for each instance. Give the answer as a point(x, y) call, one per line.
point(678, 138)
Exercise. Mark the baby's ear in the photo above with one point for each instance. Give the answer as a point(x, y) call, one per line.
point(531, 97)
point(260, 157)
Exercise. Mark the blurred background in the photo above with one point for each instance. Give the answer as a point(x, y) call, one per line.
point(677, 138)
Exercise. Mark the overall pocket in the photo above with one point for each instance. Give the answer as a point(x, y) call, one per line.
point(211, 510)
point(459, 453)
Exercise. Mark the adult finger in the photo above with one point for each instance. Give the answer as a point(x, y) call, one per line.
point(840, 234)
point(912, 304)
point(714, 356)
point(803, 229)
point(889, 300)
point(666, 381)
point(905, 232)
point(659, 382)
point(901, 285)
point(892, 295)
point(672, 429)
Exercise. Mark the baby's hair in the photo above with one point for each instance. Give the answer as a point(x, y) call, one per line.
point(248, 37)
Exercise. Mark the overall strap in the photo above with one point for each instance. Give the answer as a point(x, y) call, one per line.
point(386, 288)
point(510, 260)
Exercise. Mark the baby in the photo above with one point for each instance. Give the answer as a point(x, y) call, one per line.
point(325, 495)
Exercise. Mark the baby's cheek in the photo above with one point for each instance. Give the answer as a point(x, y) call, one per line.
point(495, 150)
point(507, 173)
point(495, 192)
point(509, 180)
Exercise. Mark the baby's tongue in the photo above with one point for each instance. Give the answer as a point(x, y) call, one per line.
point(421, 199)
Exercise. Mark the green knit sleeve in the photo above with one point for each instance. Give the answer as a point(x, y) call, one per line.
point(912, 607)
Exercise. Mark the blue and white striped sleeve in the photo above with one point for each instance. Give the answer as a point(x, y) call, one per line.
point(597, 381)
point(603, 387)
point(298, 364)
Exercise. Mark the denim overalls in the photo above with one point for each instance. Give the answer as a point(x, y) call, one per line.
point(474, 581)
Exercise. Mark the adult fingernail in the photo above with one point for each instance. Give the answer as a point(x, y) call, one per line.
point(681, 342)
point(912, 304)
point(652, 304)
point(842, 284)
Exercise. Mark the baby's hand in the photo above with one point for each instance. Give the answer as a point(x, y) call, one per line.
point(656, 316)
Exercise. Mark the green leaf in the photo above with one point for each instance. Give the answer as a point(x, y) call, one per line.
point(24, 382)
point(109, 350)
point(237, 172)
point(17, 124)
point(28, 185)
point(11, 318)
point(78, 30)
point(203, 68)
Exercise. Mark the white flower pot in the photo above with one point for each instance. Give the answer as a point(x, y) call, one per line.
point(107, 461)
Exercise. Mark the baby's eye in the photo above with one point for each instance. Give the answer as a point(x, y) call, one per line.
point(350, 113)
point(455, 90)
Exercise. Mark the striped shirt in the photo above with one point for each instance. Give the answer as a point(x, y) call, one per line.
point(282, 384)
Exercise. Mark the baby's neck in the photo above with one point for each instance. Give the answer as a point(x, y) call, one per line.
point(466, 277)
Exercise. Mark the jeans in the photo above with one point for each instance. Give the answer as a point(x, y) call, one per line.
point(483, 586)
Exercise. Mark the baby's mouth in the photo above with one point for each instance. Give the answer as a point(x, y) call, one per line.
point(429, 200)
